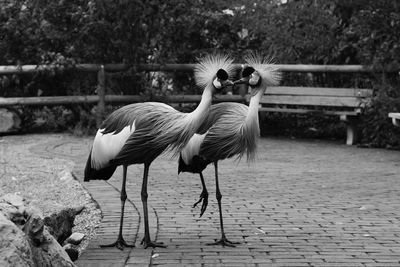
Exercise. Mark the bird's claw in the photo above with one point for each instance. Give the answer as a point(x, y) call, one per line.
point(120, 243)
point(224, 242)
point(204, 199)
point(152, 244)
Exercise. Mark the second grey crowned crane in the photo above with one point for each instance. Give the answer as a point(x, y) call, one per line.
point(230, 129)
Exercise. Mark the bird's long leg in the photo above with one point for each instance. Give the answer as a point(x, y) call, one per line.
point(203, 196)
point(223, 241)
point(121, 243)
point(146, 239)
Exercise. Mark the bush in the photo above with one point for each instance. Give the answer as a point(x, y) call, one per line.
point(374, 30)
point(63, 33)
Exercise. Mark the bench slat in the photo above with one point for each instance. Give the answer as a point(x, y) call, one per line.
point(304, 111)
point(318, 91)
point(330, 101)
point(394, 115)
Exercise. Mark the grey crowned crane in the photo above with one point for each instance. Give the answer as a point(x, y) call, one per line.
point(230, 129)
point(138, 133)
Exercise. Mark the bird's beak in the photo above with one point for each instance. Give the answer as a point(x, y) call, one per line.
point(226, 83)
point(220, 84)
point(244, 80)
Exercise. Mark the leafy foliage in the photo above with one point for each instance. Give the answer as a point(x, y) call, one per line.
point(63, 33)
point(372, 36)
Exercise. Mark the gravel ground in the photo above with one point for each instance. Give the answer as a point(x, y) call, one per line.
point(46, 183)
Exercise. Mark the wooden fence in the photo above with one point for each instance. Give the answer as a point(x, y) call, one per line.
point(188, 67)
point(101, 98)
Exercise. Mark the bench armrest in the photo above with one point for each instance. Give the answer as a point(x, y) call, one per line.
point(395, 118)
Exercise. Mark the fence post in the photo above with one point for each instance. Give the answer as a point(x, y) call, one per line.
point(101, 92)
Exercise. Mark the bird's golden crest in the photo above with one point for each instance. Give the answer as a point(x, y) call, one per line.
point(265, 66)
point(205, 71)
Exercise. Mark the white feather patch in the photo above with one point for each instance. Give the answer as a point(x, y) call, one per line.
point(192, 148)
point(265, 67)
point(107, 146)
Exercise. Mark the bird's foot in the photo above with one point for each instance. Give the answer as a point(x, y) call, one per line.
point(204, 199)
point(224, 242)
point(120, 244)
point(152, 244)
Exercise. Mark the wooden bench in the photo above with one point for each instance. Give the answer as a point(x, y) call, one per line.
point(347, 103)
point(395, 118)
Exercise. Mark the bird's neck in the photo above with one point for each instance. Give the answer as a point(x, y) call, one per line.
point(252, 114)
point(198, 115)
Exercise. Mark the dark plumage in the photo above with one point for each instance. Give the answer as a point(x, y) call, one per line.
point(93, 174)
point(197, 165)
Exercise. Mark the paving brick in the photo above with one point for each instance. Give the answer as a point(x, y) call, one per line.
point(314, 202)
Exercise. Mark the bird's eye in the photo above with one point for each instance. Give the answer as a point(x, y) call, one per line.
point(255, 79)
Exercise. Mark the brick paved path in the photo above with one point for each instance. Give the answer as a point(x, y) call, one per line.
point(302, 203)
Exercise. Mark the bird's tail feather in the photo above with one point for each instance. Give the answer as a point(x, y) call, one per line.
point(101, 174)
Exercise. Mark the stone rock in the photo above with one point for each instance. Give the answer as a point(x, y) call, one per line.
point(12, 206)
point(34, 225)
point(75, 238)
point(61, 223)
point(65, 176)
point(25, 241)
point(13, 199)
point(50, 253)
point(14, 247)
point(9, 121)
point(72, 252)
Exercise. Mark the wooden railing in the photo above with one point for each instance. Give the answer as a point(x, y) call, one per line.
point(188, 67)
point(101, 98)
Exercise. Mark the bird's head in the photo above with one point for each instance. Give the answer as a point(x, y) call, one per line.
point(259, 73)
point(213, 72)
point(221, 80)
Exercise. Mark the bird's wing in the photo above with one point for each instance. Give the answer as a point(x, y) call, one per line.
point(118, 128)
point(216, 112)
point(225, 138)
point(157, 128)
point(192, 148)
point(112, 135)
